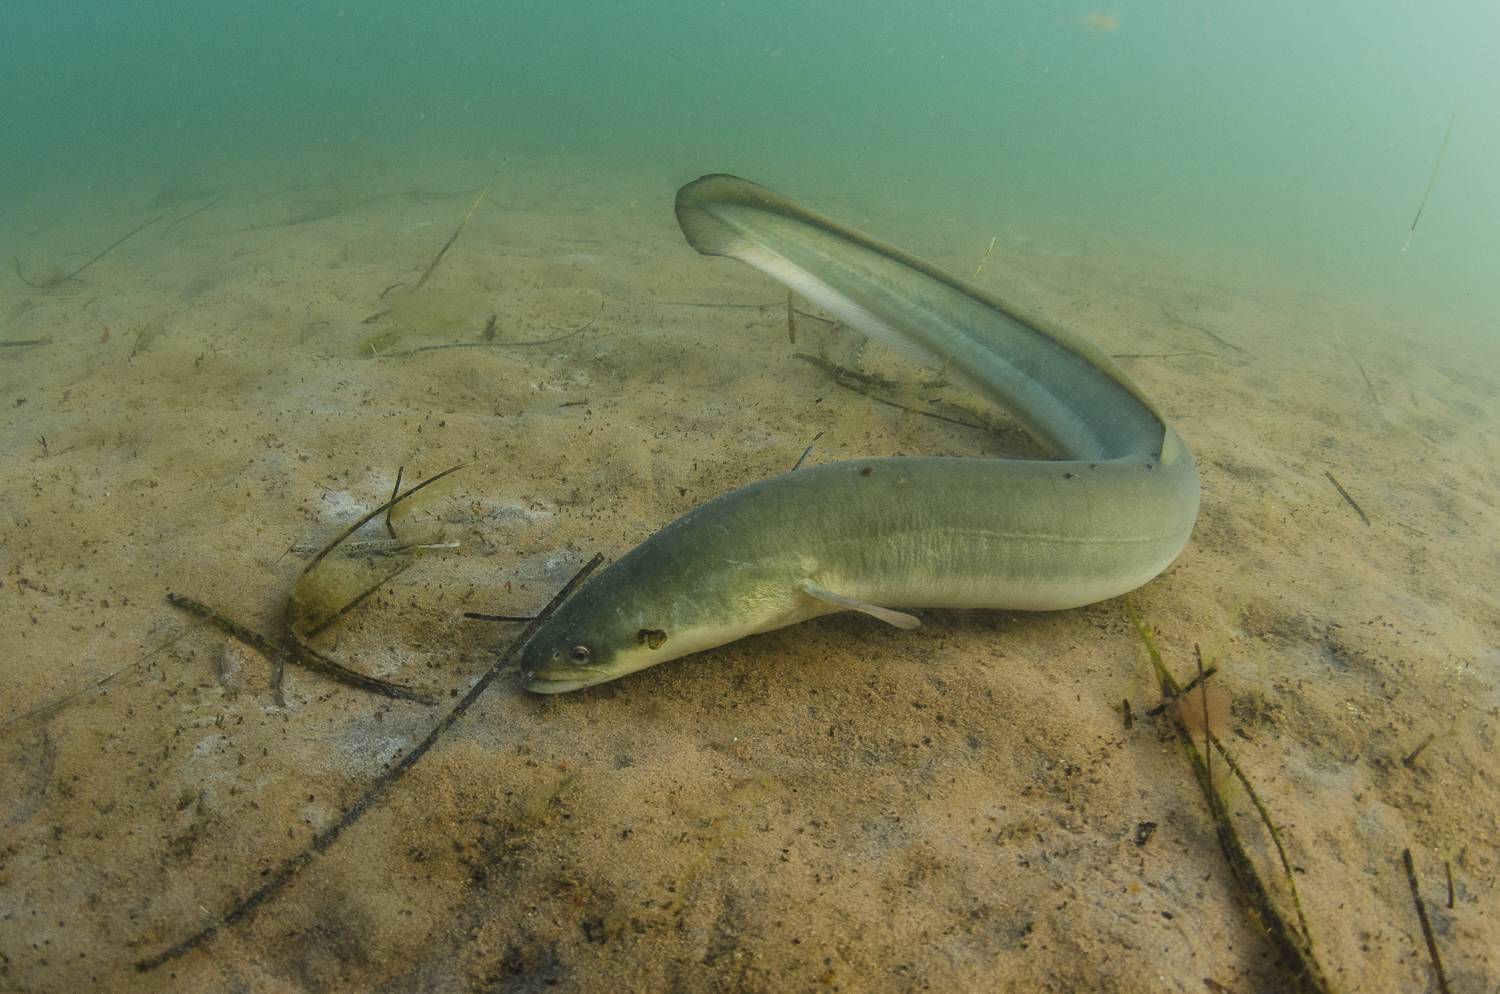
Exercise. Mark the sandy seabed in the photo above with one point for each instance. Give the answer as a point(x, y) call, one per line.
point(835, 806)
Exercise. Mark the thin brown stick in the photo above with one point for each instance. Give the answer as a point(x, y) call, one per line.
point(975, 274)
point(1345, 494)
point(806, 452)
point(45, 284)
point(815, 317)
point(23, 343)
point(1205, 331)
point(289, 868)
point(791, 320)
point(1188, 688)
point(302, 637)
point(390, 529)
point(864, 384)
point(1368, 385)
point(235, 630)
point(1295, 948)
point(1431, 181)
point(912, 410)
point(344, 207)
point(407, 353)
point(432, 266)
point(371, 516)
point(194, 213)
point(46, 711)
point(1208, 732)
point(1416, 899)
point(843, 372)
point(1410, 759)
point(718, 305)
point(293, 649)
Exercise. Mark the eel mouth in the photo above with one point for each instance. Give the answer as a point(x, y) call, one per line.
point(544, 683)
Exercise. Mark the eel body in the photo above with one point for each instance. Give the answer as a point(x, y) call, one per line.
point(875, 535)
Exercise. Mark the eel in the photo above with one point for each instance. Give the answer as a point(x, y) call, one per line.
point(1109, 513)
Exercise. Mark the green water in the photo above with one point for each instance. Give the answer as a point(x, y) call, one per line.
point(1298, 137)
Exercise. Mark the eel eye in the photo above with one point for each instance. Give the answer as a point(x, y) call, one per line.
point(580, 654)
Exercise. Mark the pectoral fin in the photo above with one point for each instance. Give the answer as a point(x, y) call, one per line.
point(898, 618)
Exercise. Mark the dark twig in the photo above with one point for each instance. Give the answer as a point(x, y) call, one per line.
point(1416, 899)
point(1368, 385)
point(1410, 759)
point(1208, 732)
point(344, 207)
point(407, 353)
point(292, 649)
point(843, 372)
point(432, 266)
point(806, 451)
point(112, 246)
point(718, 305)
point(1205, 331)
point(1188, 688)
point(913, 410)
point(865, 383)
point(302, 637)
point(46, 711)
point(477, 616)
point(23, 343)
point(1431, 181)
point(372, 515)
point(390, 529)
point(1293, 947)
point(289, 868)
point(1345, 494)
point(195, 212)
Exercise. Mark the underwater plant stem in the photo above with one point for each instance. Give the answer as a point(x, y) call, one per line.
point(1345, 494)
point(456, 232)
point(1368, 385)
point(1430, 182)
point(1416, 898)
point(45, 284)
point(297, 651)
point(975, 274)
point(371, 516)
point(289, 868)
point(1294, 948)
